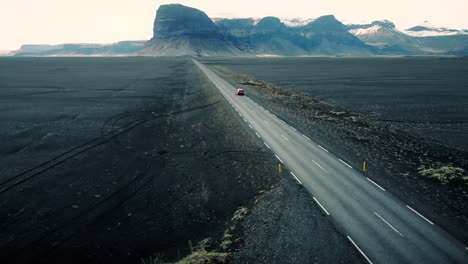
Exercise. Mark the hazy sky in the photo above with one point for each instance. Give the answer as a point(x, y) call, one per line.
point(107, 21)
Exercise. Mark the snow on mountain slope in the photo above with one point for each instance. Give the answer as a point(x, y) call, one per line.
point(365, 31)
point(296, 22)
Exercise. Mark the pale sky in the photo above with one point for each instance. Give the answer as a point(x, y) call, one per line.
point(108, 21)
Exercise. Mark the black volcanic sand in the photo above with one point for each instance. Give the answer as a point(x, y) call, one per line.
point(340, 103)
point(121, 159)
point(425, 95)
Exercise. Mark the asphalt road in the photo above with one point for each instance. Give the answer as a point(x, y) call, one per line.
point(381, 227)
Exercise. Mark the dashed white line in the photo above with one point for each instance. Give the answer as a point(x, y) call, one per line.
point(385, 221)
point(321, 206)
point(278, 158)
point(236, 110)
point(250, 126)
point(345, 163)
point(266, 122)
point(239, 113)
point(318, 165)
point(306, 137)
point(416, 212)
point(359, 249)
point(376, 184)
point(322, 148)
point(266, 145)
point(244, 120)
point(282, 121)
point(293, 128)
point(285, 138)
point(292, 173)
point(257, 134)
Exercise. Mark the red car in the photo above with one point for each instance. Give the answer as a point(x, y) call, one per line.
point(240, 92)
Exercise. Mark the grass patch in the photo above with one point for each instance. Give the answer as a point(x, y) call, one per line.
point(205, 257)
point(444, 173)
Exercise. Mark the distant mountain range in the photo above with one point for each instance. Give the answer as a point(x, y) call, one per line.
point(120, 48)
point(179, 30)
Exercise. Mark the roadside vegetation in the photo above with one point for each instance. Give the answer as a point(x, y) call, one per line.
point(206, 252)
point(444, 174)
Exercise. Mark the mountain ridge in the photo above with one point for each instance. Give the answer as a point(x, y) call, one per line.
point(179, 30)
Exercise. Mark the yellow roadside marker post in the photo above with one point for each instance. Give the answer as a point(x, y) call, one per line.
point(279, 168)
point(364, 167)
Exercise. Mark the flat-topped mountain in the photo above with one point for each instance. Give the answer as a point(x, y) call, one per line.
point(180, 30)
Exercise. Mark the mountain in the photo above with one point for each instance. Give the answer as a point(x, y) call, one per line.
point(184, 31)
point(391, 41)
point(270, 35)
point(427, 29)
point(180, 30)
point(117, 49)
point(327, 35)
point(384, 36)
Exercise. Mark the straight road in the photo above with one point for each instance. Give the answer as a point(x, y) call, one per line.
point(382, 228)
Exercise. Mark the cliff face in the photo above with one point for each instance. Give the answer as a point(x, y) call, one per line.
point(185, 31)
point(176, 21)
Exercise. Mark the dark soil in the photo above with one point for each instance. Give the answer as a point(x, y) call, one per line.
point(277, 231)
point(121, 159)
point(395, 158)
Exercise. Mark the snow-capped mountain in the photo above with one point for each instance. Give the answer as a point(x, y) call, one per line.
point(426, 39)
point(427, 29)
point(384, 35)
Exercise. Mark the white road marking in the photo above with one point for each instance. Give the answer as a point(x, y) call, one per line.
point(266, 145)
point(359, 249)
point(420, 215)
point(322, 148)
point(292, 173)
point(250, 126)
point(285, 138)
point(318, 165)
point(278, 158)
point(321, 206)
point(266, 122)
point(239, 114)
point(306, 137)
point(282, 121)
point(293, 128)
point(345, 163)
point(244, 120)
point(257, 134)
point(376, 184)
point(385, 221)
point(236, 110)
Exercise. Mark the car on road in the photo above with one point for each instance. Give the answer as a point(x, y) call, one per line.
point(240, 92)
